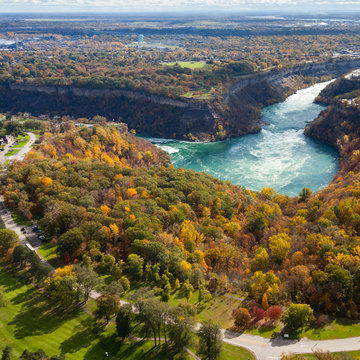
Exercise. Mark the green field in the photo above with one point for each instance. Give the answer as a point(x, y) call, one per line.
point(21, 141)
point(12, 152)
point(48, 252)
point(29, 322)
point(267, 332)
point(230, 352)
point(20, 219)
point(338, 356)
point(337, 329)
point(187, 64)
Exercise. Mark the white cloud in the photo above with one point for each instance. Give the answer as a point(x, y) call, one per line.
point(67, 5)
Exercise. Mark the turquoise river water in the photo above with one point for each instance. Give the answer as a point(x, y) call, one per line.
point(280, 156)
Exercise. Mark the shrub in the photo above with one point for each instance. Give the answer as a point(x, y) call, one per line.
point(242, 318)
point(257, 314)
point(274, 312)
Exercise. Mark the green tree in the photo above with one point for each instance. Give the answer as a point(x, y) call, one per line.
point(6, 354)
point(63, 291)
point(165, 293)
point(304, 194)
point(257, 223)
point(181, 328)
point(124, 319)
point(107, 307)
point(136, 264)
point(210, 340)
point(296, 318)
point(7, 239)
point(152, 313)
point(187, 289)
point(87, 278)
point(69, 242)
point(20, 255)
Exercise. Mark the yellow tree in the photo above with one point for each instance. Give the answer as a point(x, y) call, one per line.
point(279, 246)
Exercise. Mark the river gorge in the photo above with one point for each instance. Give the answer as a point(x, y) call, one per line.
point(280, 156)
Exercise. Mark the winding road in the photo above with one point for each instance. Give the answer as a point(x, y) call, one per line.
point(262, 348)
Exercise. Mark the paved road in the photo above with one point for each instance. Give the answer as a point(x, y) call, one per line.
point(21, 153)
point(25, 149)
point(272, 349)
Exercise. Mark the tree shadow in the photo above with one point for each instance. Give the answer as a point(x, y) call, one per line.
point(25, 297)
point(127, 350)
point(9, 281)
point(85, 334)
point(37, 318)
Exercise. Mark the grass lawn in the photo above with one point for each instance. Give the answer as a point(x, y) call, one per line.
point(230, 352)
point(219, 309)
point(29, 323)
point(48, 252)
point(20, 219)
point(337, 329)
point(187, 64)
point(21, 141)
point(266, 332)
point(12, 152)
point(339, 356)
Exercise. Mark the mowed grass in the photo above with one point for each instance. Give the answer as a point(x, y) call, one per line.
point(230, 352)
point(12, 152)
point(187, 64)
point(267, 332)
point(20, 219)
point(337, 329)
point(21, 141)
point(48, 252)
point(219, 309)
point(28, 322)
point(337, 356)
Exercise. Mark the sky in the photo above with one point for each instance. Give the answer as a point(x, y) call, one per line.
point(177, 5)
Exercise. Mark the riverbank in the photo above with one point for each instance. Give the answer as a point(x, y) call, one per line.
point(280, 156)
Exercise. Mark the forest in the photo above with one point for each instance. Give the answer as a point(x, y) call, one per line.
point(114, 220)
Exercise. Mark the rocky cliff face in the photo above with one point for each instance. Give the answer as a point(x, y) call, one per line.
point(239, 113)
point(147, 114)
point(246, 97)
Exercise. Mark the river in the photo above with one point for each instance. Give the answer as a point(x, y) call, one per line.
point(280, 156)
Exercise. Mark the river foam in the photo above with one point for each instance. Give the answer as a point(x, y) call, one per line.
point(280, 156)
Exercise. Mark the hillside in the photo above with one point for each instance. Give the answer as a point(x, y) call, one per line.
point(117, 193)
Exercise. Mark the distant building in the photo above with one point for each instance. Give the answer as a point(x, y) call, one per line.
point(141, 39)
point(6, 139)
point(90, 126)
